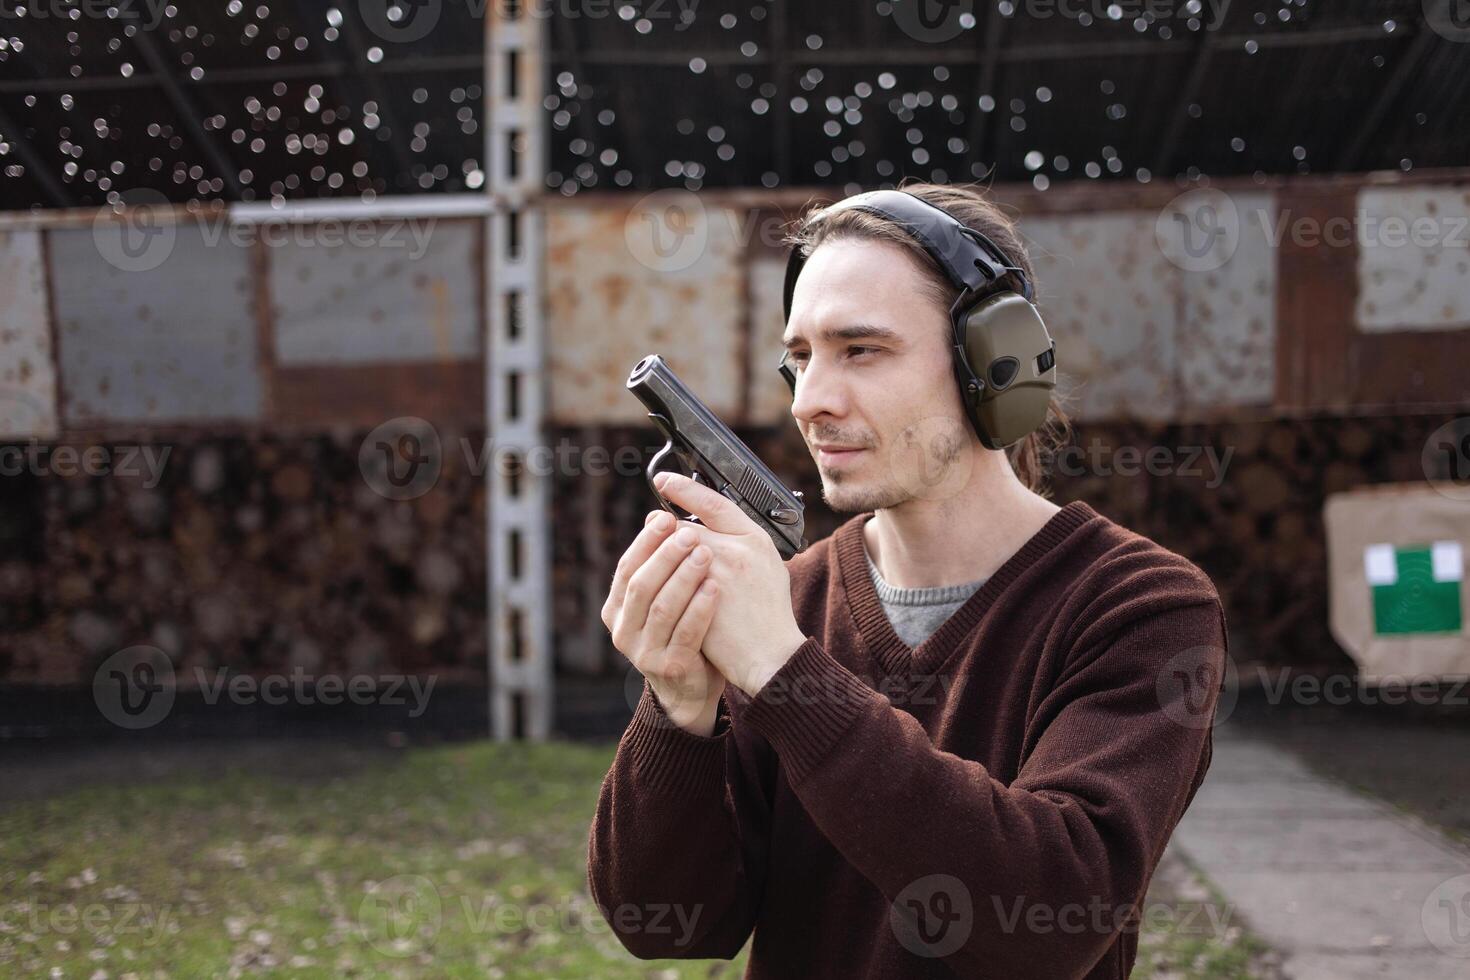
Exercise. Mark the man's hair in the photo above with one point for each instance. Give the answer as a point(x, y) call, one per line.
point(969, 204)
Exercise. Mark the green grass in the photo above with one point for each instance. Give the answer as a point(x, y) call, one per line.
point(1191, 930)
point(462, 861)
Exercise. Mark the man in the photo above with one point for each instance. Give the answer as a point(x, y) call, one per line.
point(953, 738)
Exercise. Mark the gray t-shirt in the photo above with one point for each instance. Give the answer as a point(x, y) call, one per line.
point(917, 613)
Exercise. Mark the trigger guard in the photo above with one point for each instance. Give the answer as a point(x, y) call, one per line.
point(653, 468)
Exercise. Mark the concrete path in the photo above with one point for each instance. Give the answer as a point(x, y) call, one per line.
point(1343, 886)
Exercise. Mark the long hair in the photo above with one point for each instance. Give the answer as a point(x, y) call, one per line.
point(970, 205)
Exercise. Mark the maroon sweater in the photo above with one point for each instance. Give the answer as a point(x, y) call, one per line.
point(991, 803)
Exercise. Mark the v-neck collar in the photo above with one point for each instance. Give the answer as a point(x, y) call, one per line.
point(887, 648)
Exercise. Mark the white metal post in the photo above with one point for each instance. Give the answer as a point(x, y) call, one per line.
point(518, 504)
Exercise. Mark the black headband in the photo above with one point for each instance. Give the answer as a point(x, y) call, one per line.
point(969, 259)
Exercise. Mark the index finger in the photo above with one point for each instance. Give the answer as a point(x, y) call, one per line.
point(714, 509)
point(656, 527)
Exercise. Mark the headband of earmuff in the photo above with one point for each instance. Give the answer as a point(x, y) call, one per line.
point(969, 259)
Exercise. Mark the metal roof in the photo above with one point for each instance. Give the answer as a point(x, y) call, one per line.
point(252, 101)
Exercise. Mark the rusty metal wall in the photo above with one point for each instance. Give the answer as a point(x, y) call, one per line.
point(1413, 259)
point(408, 292)
point(1139, 334)
point(160, 334)
point(624, 280)
point(27, 362)
point(1112, 302)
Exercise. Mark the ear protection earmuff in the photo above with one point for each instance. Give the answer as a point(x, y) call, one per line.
point(1004, 358)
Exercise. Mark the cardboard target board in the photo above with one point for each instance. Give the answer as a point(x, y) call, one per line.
point(1396, 572)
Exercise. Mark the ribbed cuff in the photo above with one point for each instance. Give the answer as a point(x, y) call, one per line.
point(806, 707)
point(670, 758)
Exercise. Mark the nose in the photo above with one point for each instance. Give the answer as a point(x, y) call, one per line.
point(820, 390)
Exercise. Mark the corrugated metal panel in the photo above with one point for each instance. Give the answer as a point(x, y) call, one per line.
point(27, 371)
point(1413, 259)
point(659, 276)
point(400, 290)
point(770, 399)
point(1111, 301)
point(1325, 362)
point(1227, 336)
point(171, 336)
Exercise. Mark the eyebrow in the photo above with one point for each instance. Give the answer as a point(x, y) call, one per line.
point(855, 331)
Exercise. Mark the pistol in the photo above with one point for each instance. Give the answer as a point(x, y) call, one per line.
point(714, 456)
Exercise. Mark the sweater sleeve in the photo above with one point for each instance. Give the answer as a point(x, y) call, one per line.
point(670, 854)
point(1034, 878)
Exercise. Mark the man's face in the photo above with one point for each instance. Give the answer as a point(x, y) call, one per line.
point(871, 348)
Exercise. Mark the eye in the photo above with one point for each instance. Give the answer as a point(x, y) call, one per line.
point(858, 351)
point(797, 356)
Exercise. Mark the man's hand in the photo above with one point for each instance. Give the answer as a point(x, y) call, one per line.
point(754, 630)
point(659, 611)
